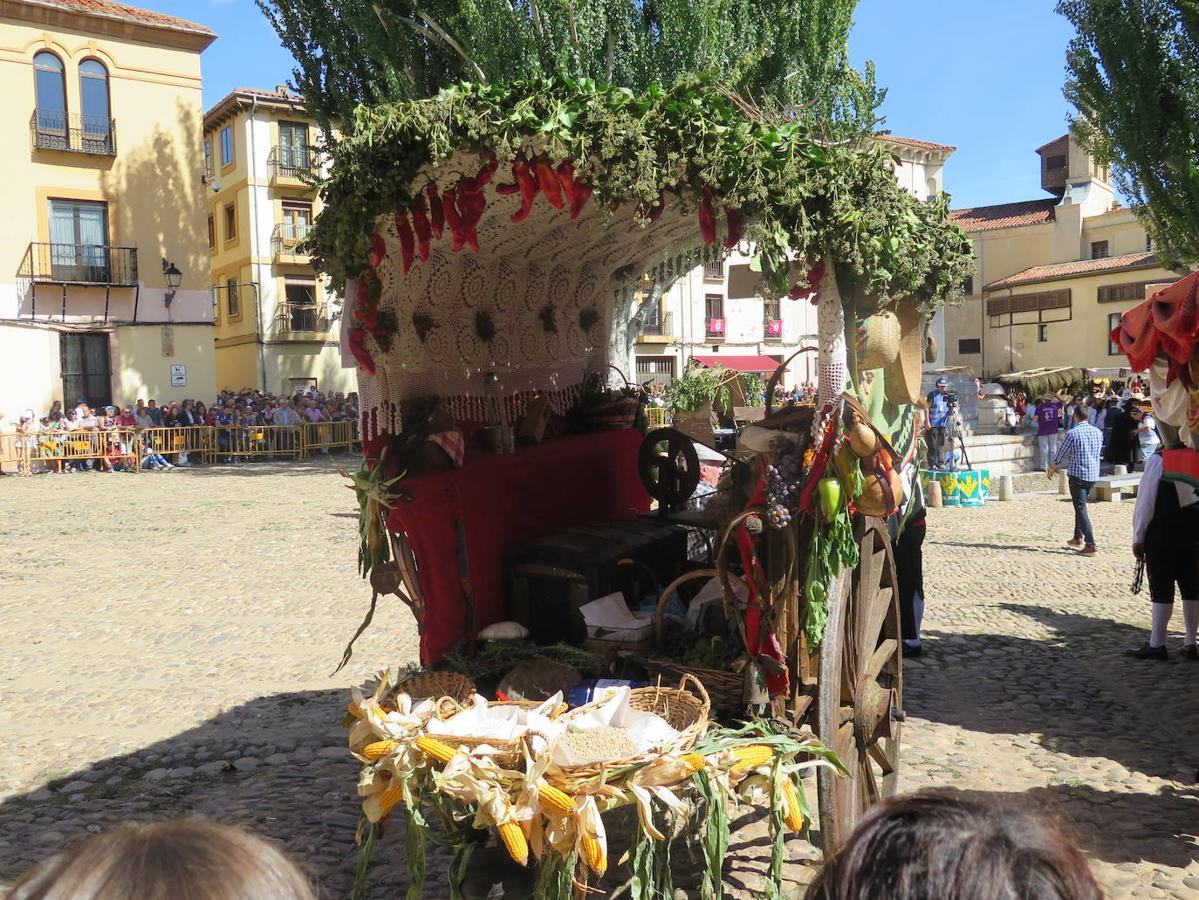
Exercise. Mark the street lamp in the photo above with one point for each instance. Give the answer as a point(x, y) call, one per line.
point(174, 277)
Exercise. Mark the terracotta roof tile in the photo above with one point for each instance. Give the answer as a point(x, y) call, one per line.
point(1058, 271)
point(238, 96)
point(912, 142)
point(1004, 215)
point(111, 10)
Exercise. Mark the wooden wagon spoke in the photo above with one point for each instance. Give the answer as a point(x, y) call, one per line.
point(881, 755)
point(886, 650)
point(873, 617)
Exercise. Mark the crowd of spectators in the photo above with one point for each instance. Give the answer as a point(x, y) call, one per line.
point(230, 412)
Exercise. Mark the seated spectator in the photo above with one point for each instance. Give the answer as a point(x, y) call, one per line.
point(189, 858)
point(937, 846)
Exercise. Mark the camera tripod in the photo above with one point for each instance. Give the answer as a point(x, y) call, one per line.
point(952, 438)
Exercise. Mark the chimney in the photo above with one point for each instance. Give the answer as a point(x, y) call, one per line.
point(282, 91)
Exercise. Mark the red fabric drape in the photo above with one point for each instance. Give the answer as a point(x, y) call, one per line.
point(504, 501)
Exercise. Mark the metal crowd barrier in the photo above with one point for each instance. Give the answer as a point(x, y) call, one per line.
point(328, 436)
point(249, 441)
point(657, 417)
point(171, 442)
point(60, 449)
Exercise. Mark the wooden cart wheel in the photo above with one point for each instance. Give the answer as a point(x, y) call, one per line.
point(669, 467)
point(861, 688)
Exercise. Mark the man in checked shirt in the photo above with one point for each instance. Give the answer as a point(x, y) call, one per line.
point(1082, 447)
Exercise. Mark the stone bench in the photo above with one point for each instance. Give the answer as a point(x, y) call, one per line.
point(1113, 488)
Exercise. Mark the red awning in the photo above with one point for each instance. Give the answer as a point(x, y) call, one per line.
point(738, 363)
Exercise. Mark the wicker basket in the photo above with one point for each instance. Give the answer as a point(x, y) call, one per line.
point(509, 754)
point(725, 689)
point(612, 415)
point(451, 688)
point(685, 708)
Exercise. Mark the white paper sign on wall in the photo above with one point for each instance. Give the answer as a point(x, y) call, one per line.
point(178, 376)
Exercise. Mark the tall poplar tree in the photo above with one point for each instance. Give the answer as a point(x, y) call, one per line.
point(786, 56)
point(1133, 76)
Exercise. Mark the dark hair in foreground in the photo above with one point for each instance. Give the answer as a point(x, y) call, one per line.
point(935, 846)
point(189, 859)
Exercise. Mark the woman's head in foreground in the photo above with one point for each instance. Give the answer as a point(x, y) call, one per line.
point(934, 846)
point(189, 859)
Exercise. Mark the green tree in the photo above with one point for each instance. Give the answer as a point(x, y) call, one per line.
point(1133, 76)
point(783, 55)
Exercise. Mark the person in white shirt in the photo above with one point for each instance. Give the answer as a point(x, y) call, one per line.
point(1165, 534)
point(1145, 433)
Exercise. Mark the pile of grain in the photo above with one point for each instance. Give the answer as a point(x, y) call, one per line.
point(595, 745)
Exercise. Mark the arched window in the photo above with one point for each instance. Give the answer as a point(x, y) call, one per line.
point(93, 104)
point(51, 94)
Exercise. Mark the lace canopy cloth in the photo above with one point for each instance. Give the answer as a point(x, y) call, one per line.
point(533, 306)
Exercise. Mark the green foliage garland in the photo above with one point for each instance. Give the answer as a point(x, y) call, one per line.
point(803, 199)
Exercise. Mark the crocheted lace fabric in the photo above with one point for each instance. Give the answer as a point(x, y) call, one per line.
point(533, 306)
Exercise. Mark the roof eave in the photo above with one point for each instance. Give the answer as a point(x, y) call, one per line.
point(1005, 284)
point(229, 105)
point(196, 38)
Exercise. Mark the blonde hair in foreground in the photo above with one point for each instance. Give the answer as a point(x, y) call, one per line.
point(189, 859)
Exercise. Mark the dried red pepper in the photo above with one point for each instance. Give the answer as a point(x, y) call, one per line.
point(582, 195)
point(436, 210)
point(488, 170)
point(566, 181)
point(736, 222)
point(378, 250)
point(547, 180)
point(358, 348)
point(654, 213)
point(407, 241)
point(528, 190)
point(471, 204)
point(707, 219)
point(453, 219)
point(420, 224)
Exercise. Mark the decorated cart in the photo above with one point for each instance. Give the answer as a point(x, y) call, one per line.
point(494, 244)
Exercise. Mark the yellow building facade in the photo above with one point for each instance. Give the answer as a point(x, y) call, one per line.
point(103, 262)
point(1052, 275)
point(277, 323)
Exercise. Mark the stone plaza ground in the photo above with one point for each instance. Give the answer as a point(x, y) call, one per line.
point(167, 640)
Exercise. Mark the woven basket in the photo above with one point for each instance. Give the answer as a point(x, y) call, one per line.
point(685, 708)
point(509, 754)
point(724, 688)
point(450, 689)
point(614, 414)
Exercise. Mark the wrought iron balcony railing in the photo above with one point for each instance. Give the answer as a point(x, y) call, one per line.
point(80, 264)
point(302, 318)
point(287, 237)
point(291, 162)
point(660, 325)
point(56, 130)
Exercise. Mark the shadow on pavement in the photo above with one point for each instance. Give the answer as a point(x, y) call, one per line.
point(1115, 827)
point(299, 794)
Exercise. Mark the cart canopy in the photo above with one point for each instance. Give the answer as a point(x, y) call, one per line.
point(752, 364)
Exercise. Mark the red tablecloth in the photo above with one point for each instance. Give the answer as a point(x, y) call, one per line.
point(504, 501)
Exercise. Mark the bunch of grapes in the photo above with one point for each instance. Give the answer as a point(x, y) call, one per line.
point(784, 473)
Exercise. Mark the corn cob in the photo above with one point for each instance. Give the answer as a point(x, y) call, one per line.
point(357, 713)
point(514, 841)
point(749, 758)
point(693, 761)
point(379, 749)
point(792, 811)
point(554, 800)
point(390, 797)
point(595, 855)
point(435, 749)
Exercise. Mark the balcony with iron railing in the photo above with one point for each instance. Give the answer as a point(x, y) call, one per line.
point(86, 264)
point(303, 320)
point(73, 133)
point(772, 330)
point(657, 328)
point(715, 329)
point(292, 166)
point(286, 240)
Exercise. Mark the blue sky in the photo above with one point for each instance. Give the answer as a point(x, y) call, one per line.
point(981, 75)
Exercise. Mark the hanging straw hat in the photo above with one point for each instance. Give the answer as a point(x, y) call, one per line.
point(904, 374)
point(879, 341)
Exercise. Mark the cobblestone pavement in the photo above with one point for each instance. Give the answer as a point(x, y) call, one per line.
point(167, 641)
